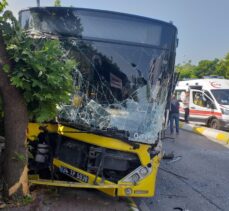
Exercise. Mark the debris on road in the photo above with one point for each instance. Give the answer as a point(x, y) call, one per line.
point(168, 156)
point(179, 208)
point(175, 159)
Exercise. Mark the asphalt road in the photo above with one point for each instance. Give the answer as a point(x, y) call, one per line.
point(197, 180)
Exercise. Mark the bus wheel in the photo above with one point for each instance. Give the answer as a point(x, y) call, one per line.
point(214, 123)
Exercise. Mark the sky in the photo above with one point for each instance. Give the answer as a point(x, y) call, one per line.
point(203, 28)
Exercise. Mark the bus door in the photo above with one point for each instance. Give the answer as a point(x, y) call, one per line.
point(201, 106)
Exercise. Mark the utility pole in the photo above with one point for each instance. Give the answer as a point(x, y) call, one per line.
point(38, 3)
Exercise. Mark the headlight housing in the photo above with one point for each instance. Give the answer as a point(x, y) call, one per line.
point(138, 174)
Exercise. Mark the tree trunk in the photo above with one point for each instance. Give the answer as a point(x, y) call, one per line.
point(15, 124)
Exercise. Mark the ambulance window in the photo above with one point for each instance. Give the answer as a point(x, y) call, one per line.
point(208, 94)
point(197, 98)
point(178, 94)
point(202, 100)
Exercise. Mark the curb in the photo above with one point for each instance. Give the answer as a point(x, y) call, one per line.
point(220, 136)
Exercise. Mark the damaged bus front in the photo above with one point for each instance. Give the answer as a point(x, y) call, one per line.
point(109, 137)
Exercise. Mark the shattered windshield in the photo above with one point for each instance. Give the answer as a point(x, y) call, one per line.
point(122, 81)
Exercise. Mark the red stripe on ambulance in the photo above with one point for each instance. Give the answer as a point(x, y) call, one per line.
point(205, 113)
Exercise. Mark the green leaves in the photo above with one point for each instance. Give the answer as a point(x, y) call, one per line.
point(219, 67)
point(41, 70)
point(3, 4)
point(6, 68)
point(186, 70)
point(19, 157)
point(57, 3)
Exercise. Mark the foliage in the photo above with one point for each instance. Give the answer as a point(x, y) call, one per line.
point(216, 67)
point(22, 200)
point(41, 69)
point(57, 3)
point(186, 70)
point(19, 157)
point(206, 67)
point(3, 4)
point(223, 67)
point(25, 200)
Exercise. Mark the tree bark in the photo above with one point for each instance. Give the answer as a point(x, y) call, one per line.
point(15, 125)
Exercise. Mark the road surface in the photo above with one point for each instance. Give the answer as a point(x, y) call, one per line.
point(196, 180)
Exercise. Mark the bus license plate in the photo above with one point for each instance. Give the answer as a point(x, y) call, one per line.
point(74, 174)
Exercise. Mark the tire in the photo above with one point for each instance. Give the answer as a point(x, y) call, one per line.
point(214, 123)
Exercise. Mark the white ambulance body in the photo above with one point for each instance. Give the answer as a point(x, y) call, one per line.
point(208, 102)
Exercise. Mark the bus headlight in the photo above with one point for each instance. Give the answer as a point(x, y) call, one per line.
point(144, 171)
point(138, 174)
point(135, 178)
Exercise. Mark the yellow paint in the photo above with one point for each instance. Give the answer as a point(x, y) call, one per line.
point(91, 177)
point(181, 124)
point(34, 129)
point(34, 177)
point(199, 130)
point(223, 137)
point(106, 142)
point(148, 184)
point(61, 183)
point(102, 141)
point(145, 186)
point(23, 183)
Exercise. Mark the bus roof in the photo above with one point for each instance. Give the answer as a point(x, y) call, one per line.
point(100, 25)
point(101, 11)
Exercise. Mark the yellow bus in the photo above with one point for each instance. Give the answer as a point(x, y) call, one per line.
point(108, 137)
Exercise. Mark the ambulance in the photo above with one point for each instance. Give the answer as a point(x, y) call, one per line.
point(208, 101)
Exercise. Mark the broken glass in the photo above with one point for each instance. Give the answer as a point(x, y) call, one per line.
point(124, 71)
point(132, 101)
